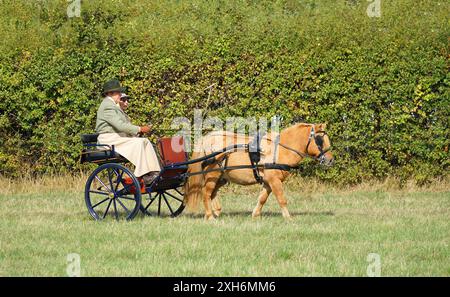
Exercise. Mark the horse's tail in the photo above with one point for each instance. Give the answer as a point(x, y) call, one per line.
point(194, 184)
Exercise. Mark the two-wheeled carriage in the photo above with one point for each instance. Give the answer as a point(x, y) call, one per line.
point(113, 190)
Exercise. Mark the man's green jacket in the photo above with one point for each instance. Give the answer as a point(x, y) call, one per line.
point(111, 119)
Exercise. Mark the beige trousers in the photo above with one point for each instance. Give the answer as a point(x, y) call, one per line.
point(137, 150)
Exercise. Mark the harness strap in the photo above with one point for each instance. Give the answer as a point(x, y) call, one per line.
point(269, 166)
point(312, 135)
point(284, 167)
point(254, 152)
point(303, 155)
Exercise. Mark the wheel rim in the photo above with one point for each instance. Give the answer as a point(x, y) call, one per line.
point(110, 192)
point(164, 203)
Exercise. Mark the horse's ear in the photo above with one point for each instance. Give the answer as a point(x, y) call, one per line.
point(321, 127)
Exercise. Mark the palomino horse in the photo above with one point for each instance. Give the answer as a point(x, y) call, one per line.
point(289, 147)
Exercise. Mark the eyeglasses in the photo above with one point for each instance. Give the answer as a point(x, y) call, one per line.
point(125, 99)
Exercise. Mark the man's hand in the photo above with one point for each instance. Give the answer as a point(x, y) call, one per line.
point(144, 129)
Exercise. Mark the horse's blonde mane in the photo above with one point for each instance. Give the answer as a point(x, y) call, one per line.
point(295, 126)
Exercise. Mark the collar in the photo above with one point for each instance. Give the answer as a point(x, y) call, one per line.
point(117, 104)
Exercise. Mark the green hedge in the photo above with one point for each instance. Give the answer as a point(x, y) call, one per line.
point(381, 84)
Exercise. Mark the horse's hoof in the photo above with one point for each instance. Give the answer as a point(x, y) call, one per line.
point(209, 218)
point(256, 216)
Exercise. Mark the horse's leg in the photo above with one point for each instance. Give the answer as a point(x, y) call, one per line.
point(263, 195)
point(277, 188)
point(217, 207)
point(211, 180)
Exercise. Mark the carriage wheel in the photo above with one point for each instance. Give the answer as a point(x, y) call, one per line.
point(164, 203)
point(110, 190)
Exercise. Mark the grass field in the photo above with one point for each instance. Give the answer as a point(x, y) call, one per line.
point(331, 234)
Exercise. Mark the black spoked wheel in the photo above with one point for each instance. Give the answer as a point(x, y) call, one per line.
point(163, 203)
point(112, 190)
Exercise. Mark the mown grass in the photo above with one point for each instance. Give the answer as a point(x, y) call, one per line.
point(331, 234)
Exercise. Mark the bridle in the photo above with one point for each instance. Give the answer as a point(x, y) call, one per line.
point(318, 140)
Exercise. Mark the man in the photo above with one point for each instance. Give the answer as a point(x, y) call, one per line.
point(115, 128)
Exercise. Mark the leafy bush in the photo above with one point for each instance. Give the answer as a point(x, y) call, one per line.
point(381, 84)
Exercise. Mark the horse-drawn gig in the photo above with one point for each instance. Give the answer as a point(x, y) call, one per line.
point(113, 189)
point(220, 157)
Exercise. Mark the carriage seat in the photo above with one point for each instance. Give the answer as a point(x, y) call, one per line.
point(97, 153)
point(172, 151)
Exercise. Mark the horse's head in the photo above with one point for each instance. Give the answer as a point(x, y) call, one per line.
point(319, 145)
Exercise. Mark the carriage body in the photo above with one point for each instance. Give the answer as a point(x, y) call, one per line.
point(113, 189)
